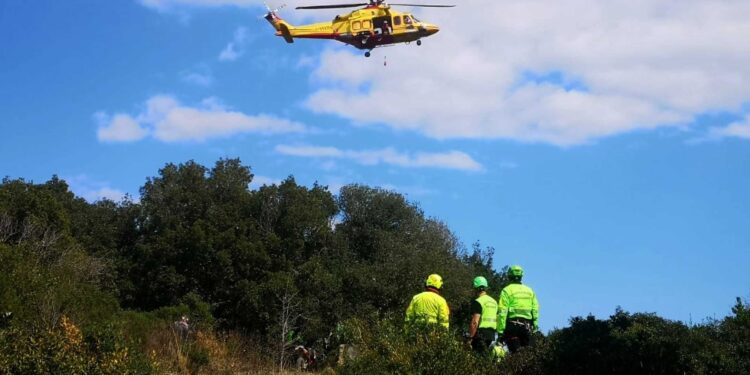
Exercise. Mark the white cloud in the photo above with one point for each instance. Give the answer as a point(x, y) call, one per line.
point(259, 181)
point(167, 120)
point(118, 128)
point(642, 64)
point(92, 190)
point(740, 129)
point(184, 8)
point(311, 151)
point(201, 76)
point(334, 186)
point(105, 192)
point(165, 5)
point(447, 160)
point(229, 53)
point(235, 48)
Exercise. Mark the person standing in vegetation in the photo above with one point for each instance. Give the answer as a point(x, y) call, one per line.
point(429, 307)
point(518, 312)
point(483, 317)
point(182, 328)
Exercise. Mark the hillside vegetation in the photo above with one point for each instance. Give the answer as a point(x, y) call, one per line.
point(95, 288)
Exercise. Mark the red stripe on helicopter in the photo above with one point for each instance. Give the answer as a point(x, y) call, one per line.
point(314, 36)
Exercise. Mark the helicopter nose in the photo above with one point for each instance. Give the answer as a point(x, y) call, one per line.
point(431, 29)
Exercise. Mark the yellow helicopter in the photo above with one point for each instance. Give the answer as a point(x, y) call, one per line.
point(373, 26)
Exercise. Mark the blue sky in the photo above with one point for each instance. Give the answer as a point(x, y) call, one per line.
point(609, 156)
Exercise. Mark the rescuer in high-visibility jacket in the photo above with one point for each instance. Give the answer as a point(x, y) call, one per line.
point(518, 312)
point(483, 318)
point(429, 307)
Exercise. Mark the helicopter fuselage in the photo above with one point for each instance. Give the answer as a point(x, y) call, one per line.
point(367, 28)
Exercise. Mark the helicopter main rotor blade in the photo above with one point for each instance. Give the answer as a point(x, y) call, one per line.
point(423, 5)
point(333, 6)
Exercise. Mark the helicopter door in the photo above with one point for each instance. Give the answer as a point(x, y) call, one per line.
point(382, 25)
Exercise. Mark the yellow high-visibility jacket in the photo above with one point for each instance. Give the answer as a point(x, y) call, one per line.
point(517, 301)
point(428, 307)
point(488, 318)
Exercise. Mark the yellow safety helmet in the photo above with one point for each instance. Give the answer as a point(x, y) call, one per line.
point(434, 281)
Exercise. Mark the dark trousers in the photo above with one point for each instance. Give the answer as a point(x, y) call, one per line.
point(482, 340)
point(517, 334)
point(480, 345)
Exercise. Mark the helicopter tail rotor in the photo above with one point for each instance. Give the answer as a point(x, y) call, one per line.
point(271, 11)
point(281, 26)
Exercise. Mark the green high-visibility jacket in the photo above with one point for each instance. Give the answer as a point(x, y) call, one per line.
point(428, 307)
point(517, 301)
point(488, 319)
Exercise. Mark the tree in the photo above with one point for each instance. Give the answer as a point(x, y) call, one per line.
point(389, 249)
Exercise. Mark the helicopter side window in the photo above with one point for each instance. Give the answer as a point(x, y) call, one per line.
point(366, 25)
point(356, 25)
point(407, 20)
point(397, 20)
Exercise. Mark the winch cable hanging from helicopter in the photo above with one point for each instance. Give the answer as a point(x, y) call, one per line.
point(373, 26)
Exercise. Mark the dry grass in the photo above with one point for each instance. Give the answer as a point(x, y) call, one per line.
point(206, 352)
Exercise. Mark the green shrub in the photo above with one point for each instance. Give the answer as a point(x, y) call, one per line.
point(531, 360)
point(64, 349)
point(385, 348)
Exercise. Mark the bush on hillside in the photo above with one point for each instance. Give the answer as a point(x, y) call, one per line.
point(65, 349)
point(384, 347)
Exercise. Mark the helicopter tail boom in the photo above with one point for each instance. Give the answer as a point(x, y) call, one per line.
point(282, 27)
point(322, 30)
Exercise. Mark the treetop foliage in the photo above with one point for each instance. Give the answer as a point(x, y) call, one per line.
point(286, 262)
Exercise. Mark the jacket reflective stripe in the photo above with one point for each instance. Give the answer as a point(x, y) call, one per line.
point(488, 318)
point(517, 301)
point(519, 313)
